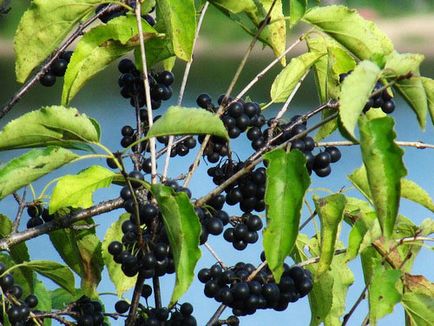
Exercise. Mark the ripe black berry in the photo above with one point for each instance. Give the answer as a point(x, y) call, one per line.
point(48, 80)
point(59, 67)
point(204, 101)
point(126, 66)
point(335, 153)
point(322, 160)
point(186, 309)
point(166, 77)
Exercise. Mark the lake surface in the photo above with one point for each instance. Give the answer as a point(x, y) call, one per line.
point(100, 99)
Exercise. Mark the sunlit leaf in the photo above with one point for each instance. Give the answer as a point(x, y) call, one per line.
point(418, 301)
point(297, 8)
point(287, 182)
point(31, 166)
point(428, 84)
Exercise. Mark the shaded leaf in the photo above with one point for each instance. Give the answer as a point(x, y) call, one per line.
point(42, 27)
point(288, 78)
point(25, 278)
point(76, 190)
point(346, 26)
point(51, 125)
point(385, 168)
point(384, 293)
point(31, 166)
point(287, 182)
point(180, 24)
point(355, 92)
point(44, 299)
point(121, 282)
point(18, 252)
point(428, 84)
point(187, 121)
point(297, 8)
point(99, 47)
point(330, 211)
point(183, 230)
point(60, 298)
point(80, 249)
point(361, 232)
point(418, 300)
point(58, 273)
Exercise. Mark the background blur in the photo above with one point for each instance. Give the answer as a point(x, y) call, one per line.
point(410, 25)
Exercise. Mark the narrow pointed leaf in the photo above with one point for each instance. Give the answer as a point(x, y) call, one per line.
point(409, 189)
point(289, 77)
point(330, 211)
point(31, 166)
point(51, 125)
point(180, 23)
point(99, 47)
point(384, 167)
point(76, 190)
point(385, 292)
point(187, 121)
point(58, 273)
point(43, 27)
point(328, 296)
point(121, 282)
point(413, 92)
point(287, 182)
point(297, 8)
point(183, 229)
point(360, 36)
point(356, 89)
point(428, 84)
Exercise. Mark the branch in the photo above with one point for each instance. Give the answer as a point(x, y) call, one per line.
point(21, 205)
point(61, 223)
point(416, 144)
point(46, 65)
point(355, 305)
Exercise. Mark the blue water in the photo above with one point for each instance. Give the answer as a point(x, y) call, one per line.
point(101, 100)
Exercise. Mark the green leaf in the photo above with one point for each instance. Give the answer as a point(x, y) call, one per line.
point(76, 190)
point(18, 252)
point(51, 125)
point(42, 27)
point(413, 92)
point(409, 189)
point(346, 26)
point(44, 299)
point(60, 298)
point(187, 121)
point(180, 23)
point(99, 47)
point(418, 301)
point(356, 90)
point(330, 211)
point(183, 229)
point(362, 232)
point(121, 282)
point(31, 166)
point(298, 253)
point(25, 278)
point(427, 226)
point(384, 167)
point(398, 64)
point(274, 34)
point(58, 273)
point(297, 8)
point(287, 80)
point(287, 182)
point(384, 293)
point(80, 249)
point(428, 84)
point(328, 296)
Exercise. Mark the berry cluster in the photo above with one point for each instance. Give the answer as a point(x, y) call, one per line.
point(117, 11)
point(89, 312)
point(235, 288)
point(38, 215)
point(132, 86)
point(212, 221)
point(381, 100)
point(248, 191)
point(17, 310)
point(57, 69)
point(245, 231)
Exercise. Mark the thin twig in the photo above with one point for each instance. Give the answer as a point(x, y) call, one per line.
point(310, 218)
point(152, 144)
point(64, 222)
point(214, 254)
point(183, 85)
point(46, 65)
point(228, 92)
point(216, 315)
point(21, 205)
point(157, 292)
point(132, 314)
point(416, 144)
point(355, 305)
